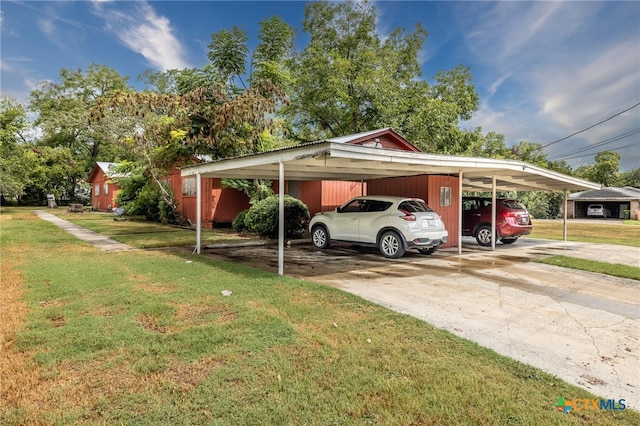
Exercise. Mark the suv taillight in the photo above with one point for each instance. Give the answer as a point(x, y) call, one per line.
point(408, 216)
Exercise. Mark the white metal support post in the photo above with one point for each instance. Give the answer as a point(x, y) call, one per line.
point(493, 212)
point(564, 217)
point(460, 212)
point(198, 213)
point(281, 219)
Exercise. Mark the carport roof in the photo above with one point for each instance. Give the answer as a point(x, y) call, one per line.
point(337, 160)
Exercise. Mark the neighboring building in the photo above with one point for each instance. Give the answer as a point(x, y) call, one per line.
point(103, 190)
point(615, 200)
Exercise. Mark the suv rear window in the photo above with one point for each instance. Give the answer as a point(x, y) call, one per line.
point(512, 204)
point(414, 206)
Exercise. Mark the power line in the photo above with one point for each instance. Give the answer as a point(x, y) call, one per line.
point(596, 145)
point(590, 127)
point(589, 155)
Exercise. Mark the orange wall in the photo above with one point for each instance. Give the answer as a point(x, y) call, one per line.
point(336, 193)
point(219, 205)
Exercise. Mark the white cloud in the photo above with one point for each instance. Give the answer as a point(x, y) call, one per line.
point(144, 32)
point(549, 69)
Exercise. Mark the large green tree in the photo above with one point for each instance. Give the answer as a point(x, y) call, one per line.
point(53, 171)
point(348, 80)
point(14, 164)
point(210, 111)
point(605, 170)
point(63, 109)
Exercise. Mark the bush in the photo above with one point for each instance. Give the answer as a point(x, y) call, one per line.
point(238, 223)
point(262, 217)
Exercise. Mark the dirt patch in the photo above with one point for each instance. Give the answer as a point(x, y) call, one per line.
point(22, 381)
point(156, 288)
point(193, 315)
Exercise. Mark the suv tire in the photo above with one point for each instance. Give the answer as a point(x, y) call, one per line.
point(391, 245)
point(320, 237)
point(483, 235)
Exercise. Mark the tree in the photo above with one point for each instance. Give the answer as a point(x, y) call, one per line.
point(347, 80)
point(63, 109)
point(203, 112)
point(606, 169)
point(53, 171)
point(14, 165)
point(630, 178)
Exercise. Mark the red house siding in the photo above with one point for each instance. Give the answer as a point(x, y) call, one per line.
point(336, 193)
point(102, 200)
point(219, 205)
point(426, 187)
point(322, 196)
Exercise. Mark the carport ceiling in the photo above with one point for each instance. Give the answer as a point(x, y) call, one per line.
point(326, 160)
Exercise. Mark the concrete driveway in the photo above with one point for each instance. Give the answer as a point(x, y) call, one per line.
point(583, 327)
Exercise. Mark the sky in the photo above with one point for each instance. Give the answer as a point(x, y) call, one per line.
point(543, 70)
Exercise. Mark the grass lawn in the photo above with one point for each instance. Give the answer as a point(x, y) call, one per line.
point(627, 234)
point(142, 234)
point(147, 337)
point(613, 269)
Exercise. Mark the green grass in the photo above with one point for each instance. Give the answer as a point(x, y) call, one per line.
point(147, 338)
point(626, 235)
point(614, 269)
point(142, 234)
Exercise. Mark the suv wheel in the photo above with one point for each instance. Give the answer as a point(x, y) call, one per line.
point(483, 235)
point(391, 245)
point(320, 237)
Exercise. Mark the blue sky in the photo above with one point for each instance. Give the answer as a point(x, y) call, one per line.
point(543, 70)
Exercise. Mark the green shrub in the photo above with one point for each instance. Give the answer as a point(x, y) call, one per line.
point(238, 223)
point(262, 217)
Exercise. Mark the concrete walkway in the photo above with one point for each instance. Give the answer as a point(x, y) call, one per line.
point(93, 238)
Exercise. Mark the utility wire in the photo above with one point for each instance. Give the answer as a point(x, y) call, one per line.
point(589, 155)
point(590, 127)
point(596, 145)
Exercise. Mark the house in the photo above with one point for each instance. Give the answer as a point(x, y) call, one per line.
point(103, 190)
point(615, 200)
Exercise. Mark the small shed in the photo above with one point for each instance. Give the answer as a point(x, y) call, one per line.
point(616, 200)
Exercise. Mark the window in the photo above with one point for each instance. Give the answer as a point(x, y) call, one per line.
point(414, 206)
point(189, 186)
point(355, 206)
point(96, 190)
point(105, 189)
point(445, 196)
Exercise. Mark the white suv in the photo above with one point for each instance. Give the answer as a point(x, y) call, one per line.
point(393, 224)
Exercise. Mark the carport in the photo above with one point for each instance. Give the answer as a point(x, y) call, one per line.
point(335, 160)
